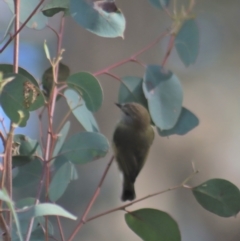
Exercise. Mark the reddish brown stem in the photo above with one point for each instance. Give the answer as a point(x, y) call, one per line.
point(134, 56)
point(92, 201)
point(169, 50)
point(60, 228)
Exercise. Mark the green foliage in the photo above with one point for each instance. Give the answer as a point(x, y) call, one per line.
point(164, 95)
point(99, 17)
point(130, 90)
point(66, 173)
point(218, 196)
point(38, 21)
point(24, 150)
point(55, 6)
point(159, 90)
point(186, 122)
point(8, 69)
point(4, 197)
point(153, 225)
point(18, 97)
point(28, 174)
point(84, 147)
point(89, 89)
point(47, 78)
point(187, 42)
point(47, 209)
point(80, 111)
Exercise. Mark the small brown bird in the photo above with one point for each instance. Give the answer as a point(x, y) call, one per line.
point(132, 139)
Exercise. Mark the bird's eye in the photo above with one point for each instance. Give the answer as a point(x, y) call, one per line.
point(127, 114)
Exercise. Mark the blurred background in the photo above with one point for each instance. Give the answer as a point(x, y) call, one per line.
point(211, 91)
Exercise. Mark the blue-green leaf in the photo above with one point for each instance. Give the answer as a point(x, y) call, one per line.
point(80, 111)
point(85, 147)
point(186, 122)
point(131, 91)
point(47, 209)
point(153, 225)
point(218, 196)
point(187, 42)
point(60, 181)
point(89, 89)
point(102, 18)
point(164, 93)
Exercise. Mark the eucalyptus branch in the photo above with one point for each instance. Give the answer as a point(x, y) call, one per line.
point(123, 207)
point(133, 57)
point(51, 108)
point(91, 202)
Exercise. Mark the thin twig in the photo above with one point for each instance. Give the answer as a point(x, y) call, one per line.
point(133, 57)
point(39, 190)
point(60, 228)
point(51, 137)
point(131, 203)
point(123, 207)
point(92, 201)
point(22, 26)
point(169, 50)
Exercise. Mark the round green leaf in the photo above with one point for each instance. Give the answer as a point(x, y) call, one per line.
point(60, 181)
point(8, 69)
point(186, 122)
point(218, 196)
point(160, 3)
point(187, 42)
point(80, 111)
point(18, 97)
point(164, 93)
point(88, 87)
point(102, 18)
point(85, 147)
point(131, 91)
point(153, 225)
point(38, 21)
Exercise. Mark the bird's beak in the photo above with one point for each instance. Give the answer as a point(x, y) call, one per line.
point(118, 105)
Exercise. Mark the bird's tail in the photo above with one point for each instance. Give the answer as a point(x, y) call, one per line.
point(128, 190)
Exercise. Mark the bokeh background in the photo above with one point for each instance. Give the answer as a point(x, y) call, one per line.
point(211, 90)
